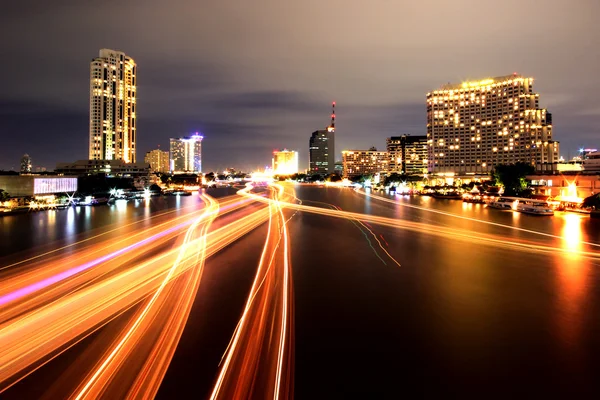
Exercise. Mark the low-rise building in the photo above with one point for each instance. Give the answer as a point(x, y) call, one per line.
point(364, 162)
point(108, 167)
point(36, 185)
point(567, 186)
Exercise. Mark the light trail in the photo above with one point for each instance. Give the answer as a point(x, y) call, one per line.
point(442, 231)
point(254, 366)
point(431, 210)
point(42, 324)
point(54, 303)
point(102, 375)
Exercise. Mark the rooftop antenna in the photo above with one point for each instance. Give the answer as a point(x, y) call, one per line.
point(332, 126)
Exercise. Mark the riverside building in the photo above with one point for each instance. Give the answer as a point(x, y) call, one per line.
point(185, 154)
point(408, 154)
point(113, 107)
point(473, 126)
point(158, 160)
point(364, 162)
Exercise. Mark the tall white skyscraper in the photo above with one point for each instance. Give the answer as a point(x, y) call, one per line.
point(186, 154)
point(113, 107)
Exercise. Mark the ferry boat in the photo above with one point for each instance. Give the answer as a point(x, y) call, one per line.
point(527, 206)
point(503, 203)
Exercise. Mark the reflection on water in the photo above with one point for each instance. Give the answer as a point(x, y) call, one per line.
point(572, 231)
point(572, 277)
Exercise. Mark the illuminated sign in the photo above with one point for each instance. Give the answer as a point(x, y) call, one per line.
point(54, 185)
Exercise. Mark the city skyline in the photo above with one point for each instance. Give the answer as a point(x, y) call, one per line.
point(241, 96)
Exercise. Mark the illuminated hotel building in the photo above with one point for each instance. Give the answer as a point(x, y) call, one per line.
point(285, 162)
point(112, 107)
point(158, 160)
point(186, 154)
point(475, 125)
point(408, 154)
point(364, 162)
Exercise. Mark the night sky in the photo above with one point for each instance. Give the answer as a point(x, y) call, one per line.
point(253, 76)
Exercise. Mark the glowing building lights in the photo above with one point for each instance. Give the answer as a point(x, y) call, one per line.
point(285, 162)
point(185, 155)
point(495, 105)
point(364, 162)
point(112, 107)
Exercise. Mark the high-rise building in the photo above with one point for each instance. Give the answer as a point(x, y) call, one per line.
point(408, 154)
point(473, 126)
point(285, 162)
point(186, 154)
point(158, 160)
point(364, 162)
point(26, 165)
point(113, 90)
point(321, 149)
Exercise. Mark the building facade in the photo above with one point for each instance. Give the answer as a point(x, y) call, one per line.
point(158, 160)
point(364, 162)
point(32, 185)
point(285, 162)
point(566, 186)
point(408, 154)
point(321, 152)
point(113, 89)
point(475, 125)
point(108, 167)
point(185, 155)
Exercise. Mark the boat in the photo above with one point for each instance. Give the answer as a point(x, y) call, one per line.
point(526, 206)
point(534, 207)
point(503, 203)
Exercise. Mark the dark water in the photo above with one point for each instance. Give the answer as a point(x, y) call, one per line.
point(457, 318)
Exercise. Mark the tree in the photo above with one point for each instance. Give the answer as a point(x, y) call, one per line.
point(333, 178)
point(394, 177)
point(592, 202)
point(154, 188)
point(3, 195)
point(512, 177)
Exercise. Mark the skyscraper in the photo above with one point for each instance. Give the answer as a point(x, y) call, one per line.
point(186, 154)
point(408, 154)
point(475, 125)
point(113, 107)
point(158, 160)
point(321, 149)
point(285, 162)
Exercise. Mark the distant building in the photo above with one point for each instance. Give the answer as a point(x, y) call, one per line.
point(113, 88)
point(321, 152)
point(108, 167)
point(185, 154)
point(473, 126)
point(26, 164)
point(339, 168)
point(285, 162)
point(408, 154)
point(158, 160)
point(364, 162)
point(32, 185)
